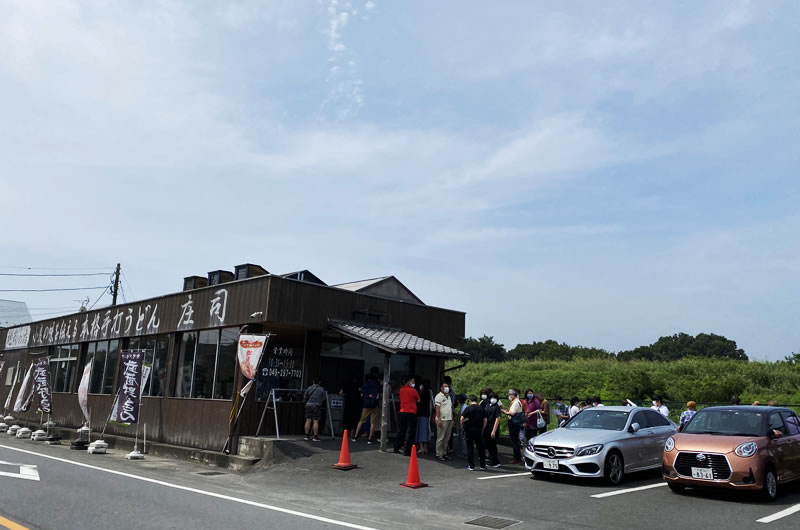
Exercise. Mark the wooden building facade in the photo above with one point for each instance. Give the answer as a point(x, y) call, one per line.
point(191, 337)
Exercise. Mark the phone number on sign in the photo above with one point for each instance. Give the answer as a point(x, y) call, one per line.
point(281, 372)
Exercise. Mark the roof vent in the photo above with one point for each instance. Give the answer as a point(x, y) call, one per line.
point(248, 270)
point(218, 277)
point(194, 282)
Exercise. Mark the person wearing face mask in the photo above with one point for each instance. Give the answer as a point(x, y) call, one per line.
point(516, 421)
point(533, 406)
point(443, 406)
point(407, 418)
point(492, 428)
point(484, 402)
point(561, 410)
point(659, 406)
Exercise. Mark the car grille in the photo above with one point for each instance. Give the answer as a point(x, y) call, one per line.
point(543, 451)
point(717, 463)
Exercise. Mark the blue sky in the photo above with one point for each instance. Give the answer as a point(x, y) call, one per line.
point(600, 173)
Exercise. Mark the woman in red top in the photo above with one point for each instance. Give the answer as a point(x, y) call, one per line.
point(407, 418)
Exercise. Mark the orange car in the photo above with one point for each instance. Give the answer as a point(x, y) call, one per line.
point(747, 448)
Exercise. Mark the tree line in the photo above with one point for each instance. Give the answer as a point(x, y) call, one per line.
point(668, 348)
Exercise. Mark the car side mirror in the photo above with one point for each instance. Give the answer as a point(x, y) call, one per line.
point(563, 422)
point(634, 427)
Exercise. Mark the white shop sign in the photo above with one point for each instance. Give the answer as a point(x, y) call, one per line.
point(18, 337)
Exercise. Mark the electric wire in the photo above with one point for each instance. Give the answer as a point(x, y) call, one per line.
point(55, 268)
point(133, 296)
point(51, 290)
point(27, 275)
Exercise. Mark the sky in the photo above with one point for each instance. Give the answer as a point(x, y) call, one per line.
point(598, 173)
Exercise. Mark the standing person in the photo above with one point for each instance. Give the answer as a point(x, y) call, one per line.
point(573, 406)
point(561, 412)
point(686, 415)
point(315, 396)
point(473, 422)
point(407, 418)
point(443, 407)
point(492, 428)
point(352, 404)
point(544, 410)
point(371, 402)
point(516, 421)
point(530, 408)
point(735, 400)
point(424, 416)
point(485, 393)
point(660, 407)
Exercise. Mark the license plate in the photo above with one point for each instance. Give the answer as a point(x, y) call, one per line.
point(701, 472)
point(551, 464)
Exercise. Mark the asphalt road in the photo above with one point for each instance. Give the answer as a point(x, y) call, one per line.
point(171, 494)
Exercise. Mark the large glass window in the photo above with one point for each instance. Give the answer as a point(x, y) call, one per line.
point(62, 366)
point(183, 375)
point(204, 364)
point(158, 375)
point(111, 367)
point(226, 364)
point(98, 352)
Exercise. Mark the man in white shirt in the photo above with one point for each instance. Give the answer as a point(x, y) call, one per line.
point(658, 406)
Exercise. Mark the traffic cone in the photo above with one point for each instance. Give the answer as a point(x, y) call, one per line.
point(344, 456)
point(413, 472)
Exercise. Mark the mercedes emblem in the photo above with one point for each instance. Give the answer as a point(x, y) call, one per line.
point(551, 452)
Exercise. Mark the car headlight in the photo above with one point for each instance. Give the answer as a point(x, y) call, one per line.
point(589, 450)
point(746, 449)
point(670, 444)
point(530, 445)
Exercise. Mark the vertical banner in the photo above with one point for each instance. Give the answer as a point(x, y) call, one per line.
point(11, 390)
point(251, 347)
point(126, 407)
point(25, 395)
point(41, 383)
point(83, 389)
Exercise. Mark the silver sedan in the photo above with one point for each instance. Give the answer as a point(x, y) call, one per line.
point(602, 442)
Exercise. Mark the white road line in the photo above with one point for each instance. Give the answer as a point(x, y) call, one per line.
point(505, 476)
point(199, 491)
point(629, 490)
point(780, 515)
point(26, 472)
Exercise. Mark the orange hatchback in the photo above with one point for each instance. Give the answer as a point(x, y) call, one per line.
point(746, 448)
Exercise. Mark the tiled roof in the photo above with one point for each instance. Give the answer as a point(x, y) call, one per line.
point(394, 340)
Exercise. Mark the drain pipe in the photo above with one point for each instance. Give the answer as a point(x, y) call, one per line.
point(462, 365)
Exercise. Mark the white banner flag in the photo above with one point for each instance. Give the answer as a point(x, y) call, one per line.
point(83, 389)
point(11, 390)
point(250, 349)
point(25, 396)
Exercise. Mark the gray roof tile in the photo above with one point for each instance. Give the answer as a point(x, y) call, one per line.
point(394, 340)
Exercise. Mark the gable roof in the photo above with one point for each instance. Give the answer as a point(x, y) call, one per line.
point(394, 340)
point(13, 313)
point(385, 287)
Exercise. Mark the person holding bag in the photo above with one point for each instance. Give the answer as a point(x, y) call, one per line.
point(516, 420)
point(543, 416)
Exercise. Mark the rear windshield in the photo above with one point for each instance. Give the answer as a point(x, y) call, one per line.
point(597, 418)
point(727, 423)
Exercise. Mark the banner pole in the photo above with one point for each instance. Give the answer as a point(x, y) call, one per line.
point(275, 413)
point(114, 402)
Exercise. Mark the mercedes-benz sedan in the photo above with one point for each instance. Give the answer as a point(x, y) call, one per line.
point(746, 448)
point(602, 442)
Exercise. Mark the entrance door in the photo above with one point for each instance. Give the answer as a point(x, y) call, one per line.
point(344, 375)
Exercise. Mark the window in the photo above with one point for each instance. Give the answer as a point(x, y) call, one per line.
point(206, 364)
point(281, 366)
point(183, 376)
point(641, 419)
point(226, 364)
point(97, 350)
point(158, 374)
point(62, 367)
point(656, 419)
point(10, 376)
point(792, 423)
point(72, 368)
point(111, 367)
point(776, 423)
point(56, 372)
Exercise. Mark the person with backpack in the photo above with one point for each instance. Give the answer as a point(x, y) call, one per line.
point(315, 396)
point(371, 407)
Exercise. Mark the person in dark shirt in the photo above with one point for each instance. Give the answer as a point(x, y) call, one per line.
point(492, 429)
point(473, 422)
point(371, 407)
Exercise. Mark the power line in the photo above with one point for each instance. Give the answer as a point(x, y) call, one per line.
point(129, 284)
point(51, 290)
point(55, 268)
point(98, 299)
point(52, 275)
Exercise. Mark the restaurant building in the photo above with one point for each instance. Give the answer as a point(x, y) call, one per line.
point(337, 332)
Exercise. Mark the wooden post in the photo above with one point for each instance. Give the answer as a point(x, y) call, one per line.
point(386, 396)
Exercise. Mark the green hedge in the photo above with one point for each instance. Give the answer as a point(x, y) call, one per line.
point(701, 380)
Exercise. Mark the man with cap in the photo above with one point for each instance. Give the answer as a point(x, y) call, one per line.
point(686, 415)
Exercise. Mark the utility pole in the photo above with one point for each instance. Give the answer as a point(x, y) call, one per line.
point(116, 286)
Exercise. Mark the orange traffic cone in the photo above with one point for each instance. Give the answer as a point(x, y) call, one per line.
point(344, 456)
point(413, 472)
